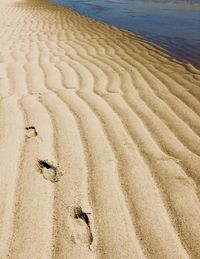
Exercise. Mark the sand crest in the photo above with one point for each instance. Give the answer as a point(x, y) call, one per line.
point(99, 141)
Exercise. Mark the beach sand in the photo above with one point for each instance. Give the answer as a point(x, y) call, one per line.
point(99, 141)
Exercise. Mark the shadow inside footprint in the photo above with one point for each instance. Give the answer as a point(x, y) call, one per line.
point(79, 214)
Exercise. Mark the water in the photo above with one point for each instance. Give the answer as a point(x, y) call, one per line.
point(173, 24)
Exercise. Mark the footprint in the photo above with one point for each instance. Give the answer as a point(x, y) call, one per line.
point(81, 230)
point(49, 170)
point(31, 132)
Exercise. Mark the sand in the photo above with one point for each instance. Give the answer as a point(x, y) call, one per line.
point(99, 141)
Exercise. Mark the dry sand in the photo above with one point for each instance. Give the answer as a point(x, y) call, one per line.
point(99, 141)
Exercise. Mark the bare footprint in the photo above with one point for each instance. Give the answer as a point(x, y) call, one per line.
point(49, 170)
point(31, 132)
point(80, 226)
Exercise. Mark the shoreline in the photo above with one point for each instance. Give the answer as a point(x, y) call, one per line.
point(99, 140)
point(179, 49)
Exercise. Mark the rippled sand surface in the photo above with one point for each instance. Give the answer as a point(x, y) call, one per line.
point(99, 141)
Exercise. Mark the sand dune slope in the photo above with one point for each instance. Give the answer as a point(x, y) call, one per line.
point(99, 141)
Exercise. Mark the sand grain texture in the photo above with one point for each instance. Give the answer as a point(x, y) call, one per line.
point(99, 141)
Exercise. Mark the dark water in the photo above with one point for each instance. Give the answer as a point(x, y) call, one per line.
point(169, 23)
